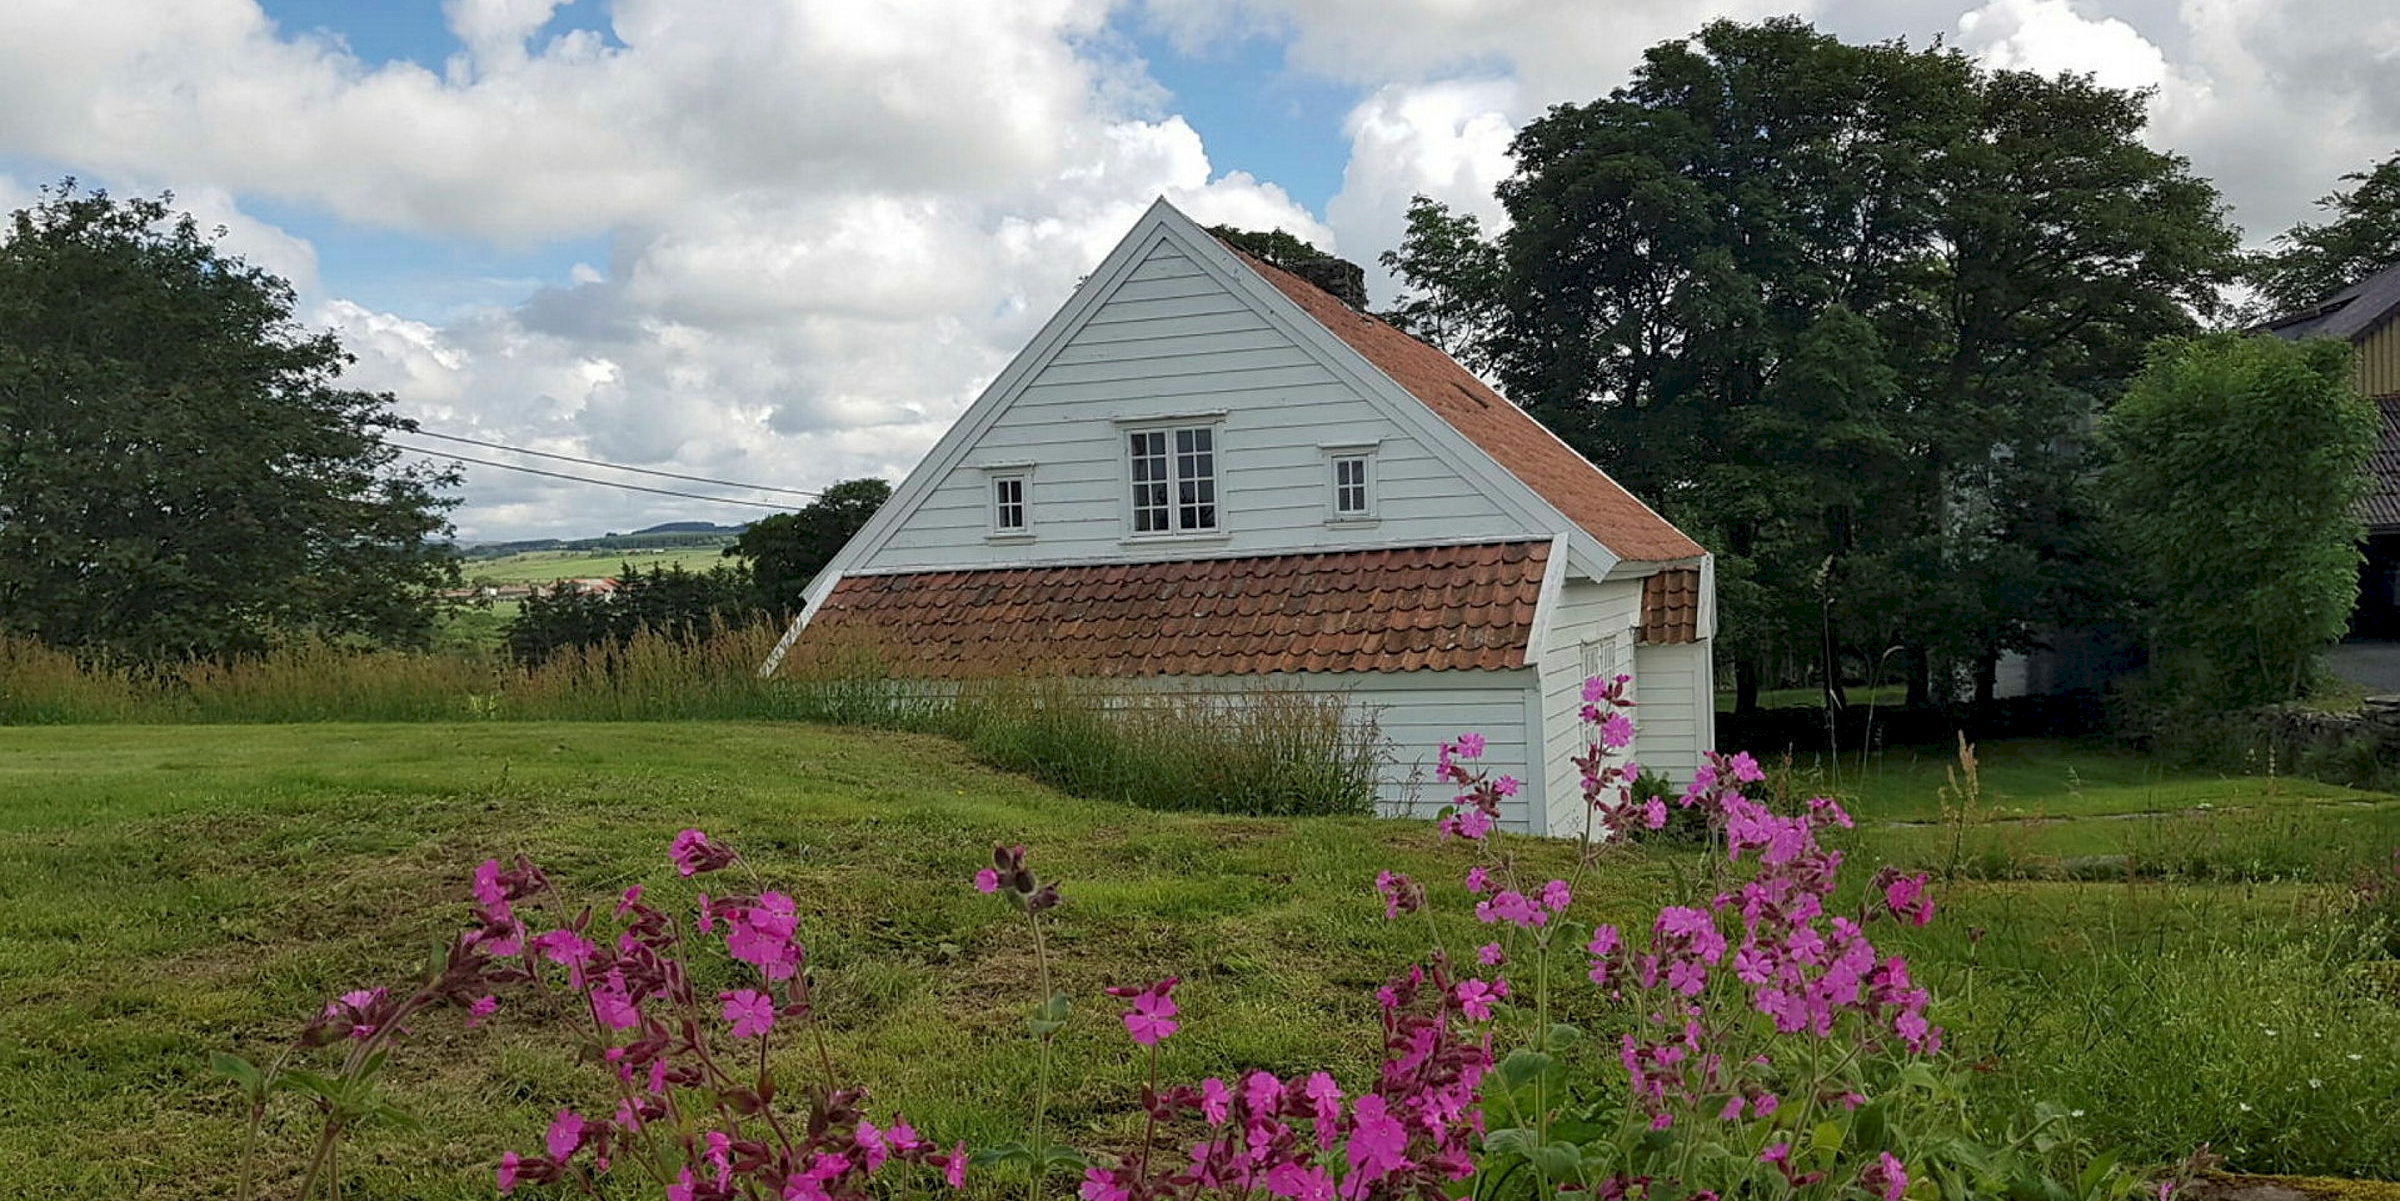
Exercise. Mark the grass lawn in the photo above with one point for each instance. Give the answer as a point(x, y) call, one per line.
point(166, 892)
point(546, 566)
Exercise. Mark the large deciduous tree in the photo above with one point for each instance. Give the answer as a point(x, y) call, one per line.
point(2234, 462)
point(1844, 311)
point(180, 472)
point(787, 550)
point(2312, 261)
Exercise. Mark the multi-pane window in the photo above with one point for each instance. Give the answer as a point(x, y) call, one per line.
point(1174, 479)
point(1008, 504)
point(1350, 496)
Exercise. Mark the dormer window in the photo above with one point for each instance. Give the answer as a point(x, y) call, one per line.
point(1173, 472)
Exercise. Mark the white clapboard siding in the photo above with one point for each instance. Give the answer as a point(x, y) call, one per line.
point(1586, 612)
point(1171, 340)
point(1678, 711)
point(1414, 713)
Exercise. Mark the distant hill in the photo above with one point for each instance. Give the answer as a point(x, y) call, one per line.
point(667, 536)
point(693, 527)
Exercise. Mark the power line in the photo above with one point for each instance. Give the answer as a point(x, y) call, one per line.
point(585, 479)
point(697, 479)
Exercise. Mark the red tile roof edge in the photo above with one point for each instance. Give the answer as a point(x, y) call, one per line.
point(1465, 607)
point(1521, 445)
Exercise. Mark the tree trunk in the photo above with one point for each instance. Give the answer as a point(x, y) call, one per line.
point(1745, 686)
point(1987, 677)
point(1920, 677)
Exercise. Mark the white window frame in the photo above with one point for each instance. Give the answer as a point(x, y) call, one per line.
point(995, 474)
point(1336, 454)
point(1169, 428)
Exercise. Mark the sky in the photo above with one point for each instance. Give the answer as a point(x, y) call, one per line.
point(787, 242)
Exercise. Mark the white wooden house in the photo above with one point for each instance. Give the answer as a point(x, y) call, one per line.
point(1209, 470)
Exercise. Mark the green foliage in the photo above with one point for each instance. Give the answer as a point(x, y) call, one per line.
point(180, 474)
point(2234, 464)
point(2311, 262)
point(1844, 312)
point(1272, 246)
point(682, 606)
point(1455, 279)
point(787, 550)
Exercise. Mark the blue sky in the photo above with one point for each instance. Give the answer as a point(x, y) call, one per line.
point(788, 241)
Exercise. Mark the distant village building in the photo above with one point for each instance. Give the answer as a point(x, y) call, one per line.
point(1209, 472)
point(2367, 315)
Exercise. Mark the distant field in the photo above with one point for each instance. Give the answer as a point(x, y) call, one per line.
point(544, 566)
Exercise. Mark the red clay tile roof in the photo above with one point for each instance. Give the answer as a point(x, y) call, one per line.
point(1520, 444)
point(1671, 606)
point(1439, 608)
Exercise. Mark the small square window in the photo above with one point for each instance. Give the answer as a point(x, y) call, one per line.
point(1009, 511)
point(1352, 498)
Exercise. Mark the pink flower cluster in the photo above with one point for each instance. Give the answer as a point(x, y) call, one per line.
point(1300, 1138)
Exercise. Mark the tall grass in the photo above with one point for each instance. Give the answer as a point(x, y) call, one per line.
point(1265, 751)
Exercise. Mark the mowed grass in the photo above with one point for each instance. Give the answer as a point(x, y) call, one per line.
point(166, 892)
point(2044, 806)
point(546, 566)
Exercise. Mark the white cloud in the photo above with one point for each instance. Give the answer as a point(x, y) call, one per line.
point(1446, 140)
point(2048, 37)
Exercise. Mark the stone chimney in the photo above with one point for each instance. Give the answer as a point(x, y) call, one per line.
point(1345, 281)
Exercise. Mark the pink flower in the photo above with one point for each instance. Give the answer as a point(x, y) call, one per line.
point(1475, 997)
point(987, 881)
point(625, 903)
point(1556, 897)
point(480, 1009)
point(612, 1006)
point(1152, 1017)
point(871, 1144)
point(1513, 907)
point(1595, 690)
point(1745, 768)
point(1400, 894)
point(1616, 731)
point(565, 947)
point(1472, 824)
point(1905, 897)
point(954, 1169)
point(1506, 786)
point(1378, 1143)
point(1470, 746)
point(566, 1134)
point(1654, 813)
point(1765, 1105)
point(684, 1187)
point(1478, 879)
point(751, 1012)
point(1215, 1101)
point(488, 892)
point(1887, 1177)
point(1326, 1096)
point(1101, 1185)
point(692, 853)
point(506, 1177)
point(1490, 955)
point(1732, 1111)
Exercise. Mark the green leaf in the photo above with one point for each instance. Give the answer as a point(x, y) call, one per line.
point(243, 1072)
point(1059, 1155)
point(1557, 1161)
point(1515, 1140)
point(1056, 1008)
point(1522, 1067)
point(1005, 1153)
point(1561, 1036)
point(1871, 1126)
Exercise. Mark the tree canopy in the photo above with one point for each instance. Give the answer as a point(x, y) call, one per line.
point(2233, 467)
point(787, 550)
point(1846, 313)
point(180, 473)
point(2312, 261)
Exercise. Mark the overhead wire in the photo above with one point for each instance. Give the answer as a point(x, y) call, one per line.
point(544, 454)
point(585, 479)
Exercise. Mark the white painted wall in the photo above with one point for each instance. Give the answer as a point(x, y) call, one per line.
point(1586, 612)
point(1172, 340)
point(1415, 712)
point(1679, 707)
